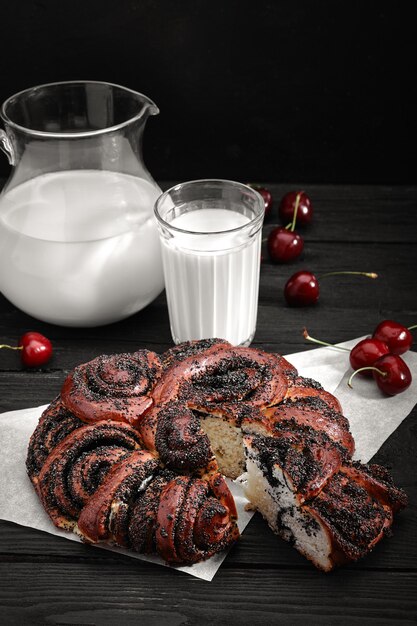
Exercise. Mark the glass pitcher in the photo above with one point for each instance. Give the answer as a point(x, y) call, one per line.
point(78, 237)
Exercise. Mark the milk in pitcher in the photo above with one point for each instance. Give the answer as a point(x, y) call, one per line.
point(80, 246)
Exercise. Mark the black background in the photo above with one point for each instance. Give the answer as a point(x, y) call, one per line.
point(309, 91)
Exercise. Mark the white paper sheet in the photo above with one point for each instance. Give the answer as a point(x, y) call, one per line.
point(373, 417)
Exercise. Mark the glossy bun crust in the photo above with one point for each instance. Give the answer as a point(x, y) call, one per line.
point(134, 451)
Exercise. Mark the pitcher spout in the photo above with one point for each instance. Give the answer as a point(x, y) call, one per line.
point(152, 109)
point(148, 106)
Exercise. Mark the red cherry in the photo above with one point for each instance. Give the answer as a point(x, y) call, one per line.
point(365, 353)
point(287, 206)
point(284, 245)
point(391, 373)
point(302, 289)
point(266, 195)
point(36, 349)
point(397, 337)
point(396, 375)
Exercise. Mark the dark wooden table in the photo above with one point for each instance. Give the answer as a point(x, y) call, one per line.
point(46, 580)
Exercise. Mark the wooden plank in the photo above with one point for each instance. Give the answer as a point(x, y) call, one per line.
point(356, 213)
point(279, 328)
point(131, 593)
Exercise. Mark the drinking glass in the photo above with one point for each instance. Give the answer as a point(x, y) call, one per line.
point(210, 233)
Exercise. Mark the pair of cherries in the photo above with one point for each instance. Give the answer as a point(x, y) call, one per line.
point(35, 349)
point(284, 244)
point(379, 356)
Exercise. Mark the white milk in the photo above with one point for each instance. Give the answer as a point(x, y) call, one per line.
point(212, 280)
point(80, 247)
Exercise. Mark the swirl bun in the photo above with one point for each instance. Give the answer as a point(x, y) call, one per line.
point(191, 522)
point(179, 440)
point(116, 387)
point(222, 374)
point(105, 516)
point(76, 467)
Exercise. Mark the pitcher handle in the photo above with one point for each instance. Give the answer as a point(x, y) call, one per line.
point(6, 146)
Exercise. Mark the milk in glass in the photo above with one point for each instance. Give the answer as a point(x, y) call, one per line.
point(212, 275)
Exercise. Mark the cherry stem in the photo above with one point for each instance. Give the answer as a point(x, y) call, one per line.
point(364, 369)
point(294, 217)
point(3, 345)
point(412, 327)
point(367, 274)
point(322, 343)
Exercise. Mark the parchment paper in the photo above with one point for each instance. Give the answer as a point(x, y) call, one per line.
point(373, 417)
